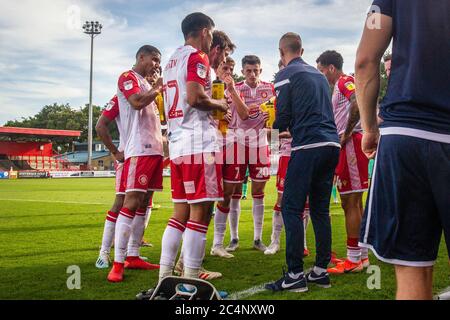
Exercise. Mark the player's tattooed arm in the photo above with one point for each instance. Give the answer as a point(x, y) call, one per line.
point(197, 98)
point(141, 100)
point(241, 107)
point(103, 132)
point(353, 119)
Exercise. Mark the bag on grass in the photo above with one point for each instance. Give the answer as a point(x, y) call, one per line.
point(177, 288)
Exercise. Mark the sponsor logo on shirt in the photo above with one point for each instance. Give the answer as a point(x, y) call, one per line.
point(128, 85)
point(109, 106)
point(350, 86)
point(202, 71)
point(253, 113)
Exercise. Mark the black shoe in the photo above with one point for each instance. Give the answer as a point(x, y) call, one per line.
point(145, 295)
point(286, 283)
point(322, 280)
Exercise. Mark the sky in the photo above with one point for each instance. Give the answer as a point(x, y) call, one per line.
point(45, 56)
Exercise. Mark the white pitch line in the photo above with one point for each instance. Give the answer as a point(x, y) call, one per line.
point(444, 295)
point(52, 201)
point(247, 293)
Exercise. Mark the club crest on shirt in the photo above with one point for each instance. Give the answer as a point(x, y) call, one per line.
point(264, 95)
point(143, 179)
point(202, 71)
point(128, 85)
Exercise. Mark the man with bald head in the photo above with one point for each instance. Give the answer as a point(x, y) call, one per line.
point(304, 109)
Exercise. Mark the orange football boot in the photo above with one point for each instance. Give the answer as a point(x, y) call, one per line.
point(346, 267)
point(365, 263)
point(139, 264)
point(116, 273)
point(334, 260)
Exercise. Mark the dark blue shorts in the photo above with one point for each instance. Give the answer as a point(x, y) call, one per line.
point(408, 206)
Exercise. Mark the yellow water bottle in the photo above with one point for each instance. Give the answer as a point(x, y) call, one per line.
point(218, 93)
point(160, 103)
point(269, 107)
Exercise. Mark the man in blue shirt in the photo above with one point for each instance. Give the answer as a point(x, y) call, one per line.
point(409, 200)
point(304, 109)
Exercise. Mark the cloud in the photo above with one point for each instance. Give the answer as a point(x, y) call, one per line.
point(45, 55)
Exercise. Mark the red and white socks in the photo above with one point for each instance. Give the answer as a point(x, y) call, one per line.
point(220, 225)
point(148, 214)
point(170, 245)
point(258, 216)
point(235, 212)
point(194, 248)
point(277, 225)
point(364, 253)
point(123, 233)
point(108, 232)
point(353, 250)
point(137, 232)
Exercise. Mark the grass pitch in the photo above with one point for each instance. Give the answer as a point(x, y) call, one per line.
point(48, 225)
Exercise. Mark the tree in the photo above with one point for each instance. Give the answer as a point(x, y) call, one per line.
point(237, 78)
point(384, 80)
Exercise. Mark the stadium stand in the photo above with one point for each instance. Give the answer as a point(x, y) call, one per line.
point(30, 149)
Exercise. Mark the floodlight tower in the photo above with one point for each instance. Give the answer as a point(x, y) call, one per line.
point(93, 29)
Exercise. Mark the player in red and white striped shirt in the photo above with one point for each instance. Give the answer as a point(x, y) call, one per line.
point(143, 153)
point(230, 203)
point(251, 148)
point(110, 114)
point(196, 176)
point(353, 168)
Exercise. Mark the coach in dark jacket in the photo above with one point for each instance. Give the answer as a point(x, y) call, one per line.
point(304, 108)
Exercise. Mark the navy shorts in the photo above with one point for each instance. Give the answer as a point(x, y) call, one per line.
point(408, 206)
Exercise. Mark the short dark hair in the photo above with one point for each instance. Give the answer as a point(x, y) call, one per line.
point(293, 42)
point(331, 57)
point(230, 60)
point(250, 59)
point(222, 40)
point(387, 57)
point(147, 49)
point(195, 22)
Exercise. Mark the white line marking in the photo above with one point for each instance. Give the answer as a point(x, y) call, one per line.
point(445, 295)
point(51, 201)
point(247, 293)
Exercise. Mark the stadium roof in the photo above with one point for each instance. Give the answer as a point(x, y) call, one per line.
point(48, 133)
point(82, 156)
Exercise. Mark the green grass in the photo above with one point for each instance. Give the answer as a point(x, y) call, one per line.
point(48, 225)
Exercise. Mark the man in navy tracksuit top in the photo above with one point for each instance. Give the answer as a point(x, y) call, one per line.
point(304, 108)
point(409, 200)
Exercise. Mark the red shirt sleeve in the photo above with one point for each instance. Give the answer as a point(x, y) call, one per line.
point(112, 109)
point(128, 84)
point(198, 68)
point(346, 86)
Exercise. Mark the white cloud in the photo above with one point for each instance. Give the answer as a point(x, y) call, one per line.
point(45, 60)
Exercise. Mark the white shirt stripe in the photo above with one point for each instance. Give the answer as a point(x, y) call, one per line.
point(427, 135)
